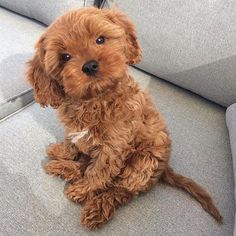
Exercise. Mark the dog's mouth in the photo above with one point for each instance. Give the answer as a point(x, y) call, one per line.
point(96, 77)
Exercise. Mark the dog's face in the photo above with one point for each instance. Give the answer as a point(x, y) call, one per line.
point(84, 53)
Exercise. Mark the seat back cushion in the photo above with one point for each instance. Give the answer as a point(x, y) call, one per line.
point(231, 123)
point(41, 10)
point(17, 36)
point(190, 43)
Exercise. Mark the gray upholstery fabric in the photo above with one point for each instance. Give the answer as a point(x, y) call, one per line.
point(88, 3)
point(17, 36)
point(32, 203)
point(41, 10)
point(190, 43)
point(231, 123)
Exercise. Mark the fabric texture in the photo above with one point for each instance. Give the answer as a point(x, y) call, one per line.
point(190, 43)
point(231, 123)
point(41, 10)
point(17, 36)
point(32, 203)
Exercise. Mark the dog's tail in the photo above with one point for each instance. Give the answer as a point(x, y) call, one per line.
point(179, 181)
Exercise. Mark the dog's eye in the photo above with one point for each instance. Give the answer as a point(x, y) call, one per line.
point(100, 40)
point(65, 57)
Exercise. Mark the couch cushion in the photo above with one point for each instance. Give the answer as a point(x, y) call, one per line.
point(32, 203)
point(231, 123)
point(41, 10)
point(190, 43)
point(17, 36)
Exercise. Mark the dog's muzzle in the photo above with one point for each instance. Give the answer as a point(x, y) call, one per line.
point(90, 68)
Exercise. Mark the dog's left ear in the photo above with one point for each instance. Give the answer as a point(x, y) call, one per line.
point(133, 50)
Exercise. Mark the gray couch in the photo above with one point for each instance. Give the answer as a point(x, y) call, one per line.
point(189, 55)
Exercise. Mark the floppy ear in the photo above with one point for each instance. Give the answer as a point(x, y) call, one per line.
point(132, 50)
point(47, 91)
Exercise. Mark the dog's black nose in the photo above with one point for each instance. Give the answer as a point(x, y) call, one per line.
point(90, 68)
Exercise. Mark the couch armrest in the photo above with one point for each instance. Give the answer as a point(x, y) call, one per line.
point(231, 124)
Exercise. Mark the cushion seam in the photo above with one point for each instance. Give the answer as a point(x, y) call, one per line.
point(16, 96)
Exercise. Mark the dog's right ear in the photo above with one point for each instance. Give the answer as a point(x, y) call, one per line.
point(47, 91)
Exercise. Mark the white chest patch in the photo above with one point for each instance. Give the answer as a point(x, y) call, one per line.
point(75, 136)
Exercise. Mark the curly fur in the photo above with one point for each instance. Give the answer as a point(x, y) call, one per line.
point(127, 148)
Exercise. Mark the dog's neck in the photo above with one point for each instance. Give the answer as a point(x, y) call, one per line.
point(79, 114)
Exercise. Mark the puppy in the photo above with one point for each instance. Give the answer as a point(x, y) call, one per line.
point(116, 144)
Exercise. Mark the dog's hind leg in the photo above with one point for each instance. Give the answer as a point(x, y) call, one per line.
point(141, 173)
point(138, 176)
point(101, 206)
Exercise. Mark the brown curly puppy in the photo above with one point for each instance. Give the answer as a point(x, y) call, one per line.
point(116, 143)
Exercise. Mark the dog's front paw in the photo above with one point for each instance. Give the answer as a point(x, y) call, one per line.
point(55, 151)
point(61, 151)
point(66, 169)
point(77, 191)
